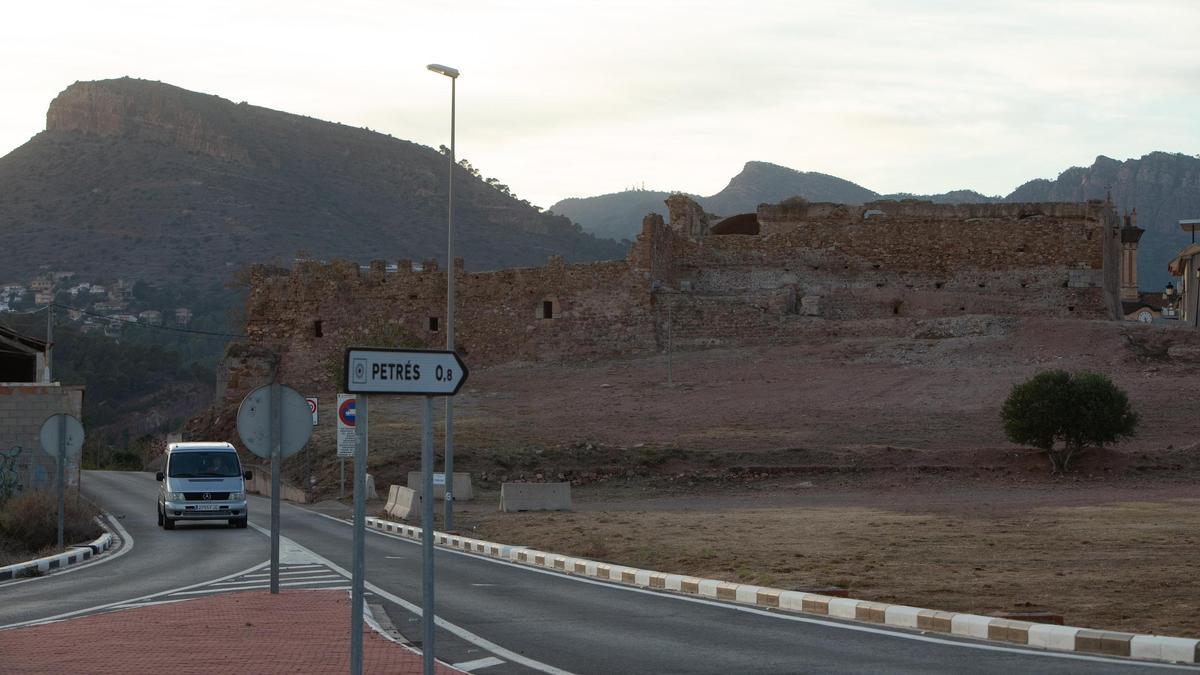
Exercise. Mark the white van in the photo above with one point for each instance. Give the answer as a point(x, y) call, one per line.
point(202, 481)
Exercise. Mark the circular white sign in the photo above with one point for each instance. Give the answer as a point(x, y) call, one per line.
point(254, 421)
point(49, 434)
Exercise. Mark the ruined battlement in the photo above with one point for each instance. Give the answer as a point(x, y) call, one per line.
point(811, 267)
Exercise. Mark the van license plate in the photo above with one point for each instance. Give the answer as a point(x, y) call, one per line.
point(208, 507)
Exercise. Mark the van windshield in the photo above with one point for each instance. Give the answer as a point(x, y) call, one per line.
point(204, 465)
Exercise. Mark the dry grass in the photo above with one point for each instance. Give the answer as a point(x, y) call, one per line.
point(1125, 566)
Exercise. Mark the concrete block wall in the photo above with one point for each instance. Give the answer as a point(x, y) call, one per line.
point(23, 409)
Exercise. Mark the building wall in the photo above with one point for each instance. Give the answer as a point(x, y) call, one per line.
point(23, 409)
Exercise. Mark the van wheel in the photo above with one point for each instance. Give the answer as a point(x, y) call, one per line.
point(168, 523)
point(237, 522)
point(158, 512)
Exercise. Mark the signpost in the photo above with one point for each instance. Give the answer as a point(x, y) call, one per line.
point(313, 404)
point(61, 436)
point(346, 440)
point(406, 372)
point(274, 422)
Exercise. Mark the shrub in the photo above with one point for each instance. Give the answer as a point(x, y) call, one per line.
point(1064, 414)
point(30, 520)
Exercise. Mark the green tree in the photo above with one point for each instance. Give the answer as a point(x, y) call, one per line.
point(1064, 414)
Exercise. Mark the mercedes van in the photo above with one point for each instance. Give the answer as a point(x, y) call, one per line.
point(202, 481)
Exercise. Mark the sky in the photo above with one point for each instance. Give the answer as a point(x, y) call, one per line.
point(569, 99)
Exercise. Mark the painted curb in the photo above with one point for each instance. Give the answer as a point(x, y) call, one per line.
point(76, 554)
point(1045, 636)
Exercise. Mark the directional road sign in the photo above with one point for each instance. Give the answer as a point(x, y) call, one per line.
point(254, 421)
point(403, 371)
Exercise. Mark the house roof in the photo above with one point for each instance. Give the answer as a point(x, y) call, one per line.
point(13, 339)
point(1175, 267)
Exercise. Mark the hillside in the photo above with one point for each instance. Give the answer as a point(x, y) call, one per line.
point(619, 215)
point(141, 179)
point(1163, 187)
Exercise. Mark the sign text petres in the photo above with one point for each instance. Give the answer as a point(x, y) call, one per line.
point(420, 372)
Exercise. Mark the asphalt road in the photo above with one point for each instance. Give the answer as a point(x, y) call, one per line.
point(520, 619)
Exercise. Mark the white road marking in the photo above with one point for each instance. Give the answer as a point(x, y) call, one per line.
point(438, 621)
point(99, 559)
point(135, 605)
point(787, 617)
point(213, 591)
point(478, 664)
point(288, 575)
point(118, 603)
point(302, 580)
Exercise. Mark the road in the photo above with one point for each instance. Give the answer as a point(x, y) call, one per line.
point(510, 619)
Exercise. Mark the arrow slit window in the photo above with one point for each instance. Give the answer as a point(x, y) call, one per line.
point(547, 308)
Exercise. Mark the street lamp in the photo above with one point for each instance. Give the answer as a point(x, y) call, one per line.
point(448, 517)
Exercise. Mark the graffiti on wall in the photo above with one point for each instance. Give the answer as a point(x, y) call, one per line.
point(10, 477)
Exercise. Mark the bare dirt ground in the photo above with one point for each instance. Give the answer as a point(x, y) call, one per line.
point(873, 463)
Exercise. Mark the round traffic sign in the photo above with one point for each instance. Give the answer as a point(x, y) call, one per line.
point(346, 412)
point(49, 434)
point(254, 421)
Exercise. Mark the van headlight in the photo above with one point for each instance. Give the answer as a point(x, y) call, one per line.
point(175, 496)
point(237, 496)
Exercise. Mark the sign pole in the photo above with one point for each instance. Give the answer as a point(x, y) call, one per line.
point(276, 440)
point(427, 615)
point(358, 572)
point(62, 461)
point(342, 490)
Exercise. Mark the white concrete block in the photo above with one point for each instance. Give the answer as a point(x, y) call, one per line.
point(746, 593)
point(901, 615)
point(708, 587)
point(971, 625)
point(674, 582)
point(792, 600)
point(843, 608)
point(591, 568)
point(642, 577)
point(1181, 650)
point(1050, 636)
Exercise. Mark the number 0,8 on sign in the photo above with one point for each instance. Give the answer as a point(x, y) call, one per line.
point(396, 371)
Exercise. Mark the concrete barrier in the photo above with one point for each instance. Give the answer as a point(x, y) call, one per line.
point(261, 484)
point(462, 486)
point(535, 497)
point(402, 502)
point(1047, 636)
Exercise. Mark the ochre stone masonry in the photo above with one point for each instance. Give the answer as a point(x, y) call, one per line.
point(815, 269)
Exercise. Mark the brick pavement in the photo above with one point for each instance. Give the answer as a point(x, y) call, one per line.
point(246, 632)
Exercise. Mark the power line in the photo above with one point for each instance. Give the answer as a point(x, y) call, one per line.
point(139, 324)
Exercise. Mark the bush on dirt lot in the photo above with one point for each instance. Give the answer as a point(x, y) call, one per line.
point(1078, 410)
point(30, 520)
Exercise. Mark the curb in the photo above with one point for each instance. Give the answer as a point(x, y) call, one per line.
point(1024, 633)
point(76, 554)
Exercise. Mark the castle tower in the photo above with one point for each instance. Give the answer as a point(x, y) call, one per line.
point(1130, 235)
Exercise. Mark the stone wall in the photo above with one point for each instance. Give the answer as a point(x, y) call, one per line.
point(23, 409)
point(815, 269)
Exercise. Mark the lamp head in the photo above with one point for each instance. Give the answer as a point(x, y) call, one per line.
point(443, 70)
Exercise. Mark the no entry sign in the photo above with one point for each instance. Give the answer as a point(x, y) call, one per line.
point(345, 425)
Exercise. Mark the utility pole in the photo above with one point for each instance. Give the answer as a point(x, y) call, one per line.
point(49, 342)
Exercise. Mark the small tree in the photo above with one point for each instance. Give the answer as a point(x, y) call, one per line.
point(1076, 410)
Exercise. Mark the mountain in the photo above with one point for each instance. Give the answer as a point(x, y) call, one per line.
point(146, 180)
point(1163, 187)
point(619, 215)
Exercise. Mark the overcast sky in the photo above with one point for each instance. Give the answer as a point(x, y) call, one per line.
point(560, 99)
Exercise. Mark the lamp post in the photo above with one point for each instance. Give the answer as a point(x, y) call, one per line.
point(448, 517)
point(1169, 301)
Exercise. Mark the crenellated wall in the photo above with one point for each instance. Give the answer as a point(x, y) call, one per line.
point(815, 270)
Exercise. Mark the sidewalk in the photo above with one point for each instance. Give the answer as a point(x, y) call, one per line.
point(250, 631)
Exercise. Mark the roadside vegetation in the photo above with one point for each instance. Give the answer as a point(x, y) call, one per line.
point(29, 525)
